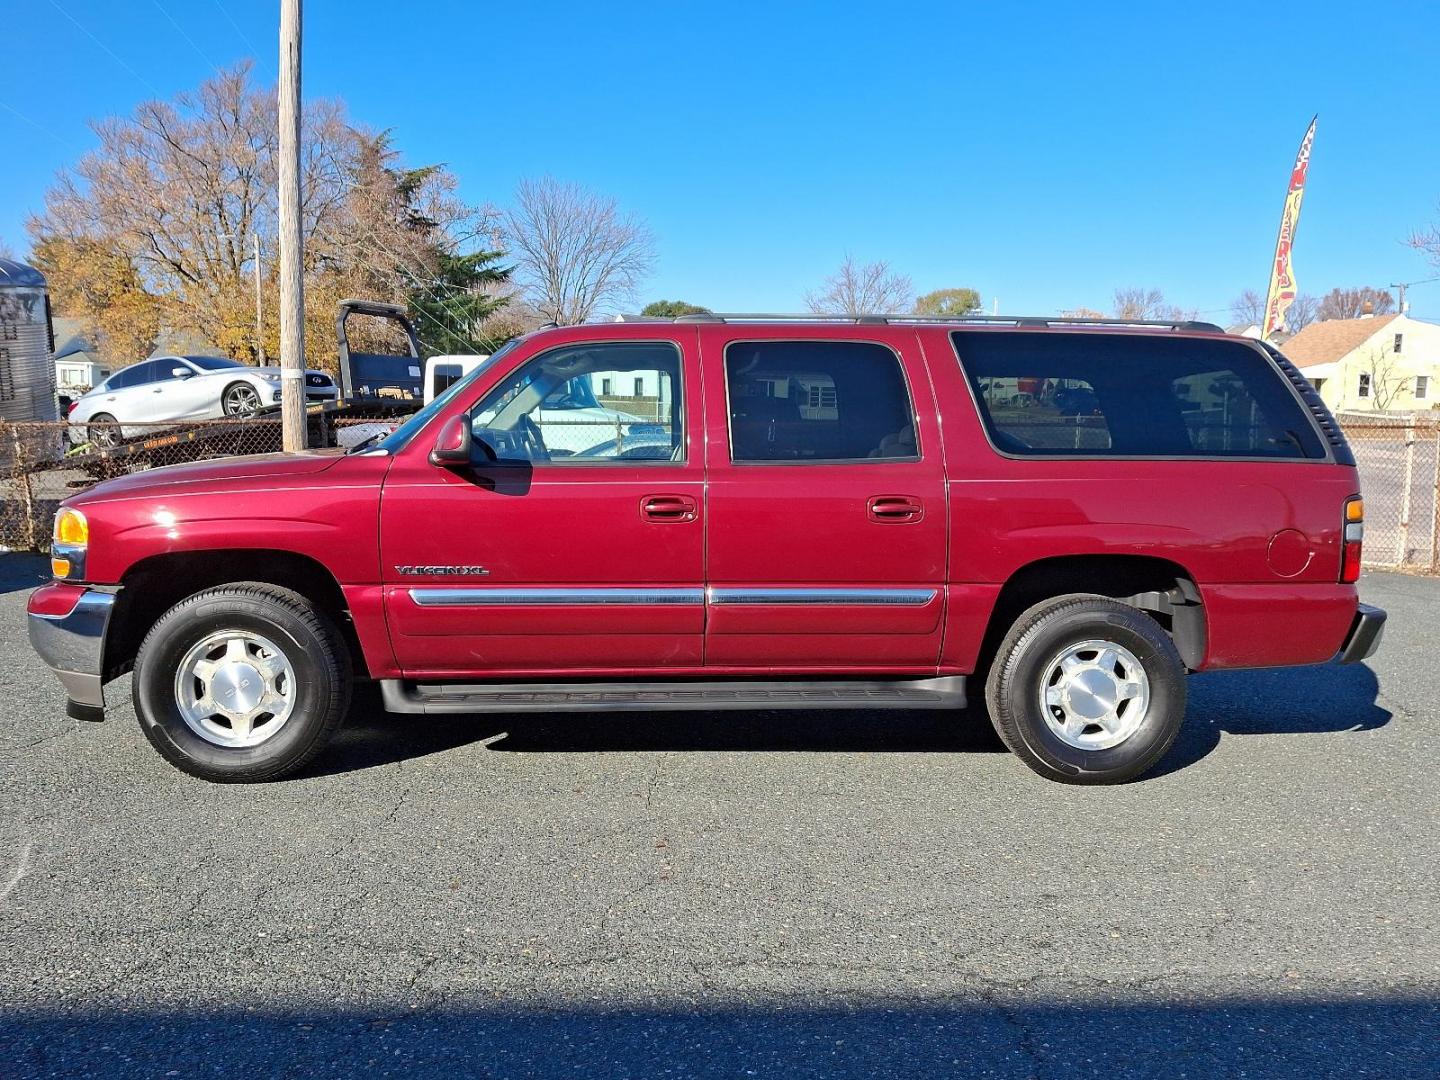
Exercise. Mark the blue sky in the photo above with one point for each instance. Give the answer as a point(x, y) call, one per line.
point(1044, 153)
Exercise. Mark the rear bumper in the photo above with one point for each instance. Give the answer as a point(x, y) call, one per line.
point(71, 640)
point(1364, 637)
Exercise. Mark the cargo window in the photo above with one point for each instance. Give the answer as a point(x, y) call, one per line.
point(1136, 395)
point(818, 401)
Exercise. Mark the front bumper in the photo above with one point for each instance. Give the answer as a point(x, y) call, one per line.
point(70, 637)
point(1364, 637)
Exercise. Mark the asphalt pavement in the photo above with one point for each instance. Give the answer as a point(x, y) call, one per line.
point(767, 895)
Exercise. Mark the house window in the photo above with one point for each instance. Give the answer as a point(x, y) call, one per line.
point(605, 386)
point(639, 386)
point(1422, 387)
point(1364, 384)
point(1399, 340)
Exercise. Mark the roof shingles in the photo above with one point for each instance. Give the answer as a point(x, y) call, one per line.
point(1324, 342)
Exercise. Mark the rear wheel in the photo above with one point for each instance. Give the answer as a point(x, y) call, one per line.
point(103, 430)
point(240, 399)
point(1086, 690)
point(246, 682)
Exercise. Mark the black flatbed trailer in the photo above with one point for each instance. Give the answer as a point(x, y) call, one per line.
point(257, 433)
point(378, 387)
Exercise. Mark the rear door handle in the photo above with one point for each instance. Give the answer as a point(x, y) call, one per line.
point(895, 509)
point(667, 508)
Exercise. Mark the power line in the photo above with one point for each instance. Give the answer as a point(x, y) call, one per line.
point(181, 30)
point(113, 55)
point(37, 126)
point(243, 36)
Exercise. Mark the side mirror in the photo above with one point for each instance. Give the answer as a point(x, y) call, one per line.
point(180, 373)
point(452, 445)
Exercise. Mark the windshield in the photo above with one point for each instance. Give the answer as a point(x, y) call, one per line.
point(402, 435)
point(212, 363)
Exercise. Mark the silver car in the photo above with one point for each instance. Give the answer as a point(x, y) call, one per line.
point(169, 388)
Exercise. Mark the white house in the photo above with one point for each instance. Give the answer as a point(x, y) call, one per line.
point(78, 365)
point(1376, 363)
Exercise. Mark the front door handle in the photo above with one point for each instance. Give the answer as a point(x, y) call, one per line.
point(667, 508)
point(895, 509)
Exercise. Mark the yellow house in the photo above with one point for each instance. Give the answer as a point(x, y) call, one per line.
point(1376, 363)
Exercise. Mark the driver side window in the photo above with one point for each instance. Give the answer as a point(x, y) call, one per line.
point(561, 407)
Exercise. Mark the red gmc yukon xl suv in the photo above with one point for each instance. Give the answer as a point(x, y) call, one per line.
point(1058, 519)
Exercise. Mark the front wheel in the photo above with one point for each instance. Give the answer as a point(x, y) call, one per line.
point(104, 430)
point(1086, 690)
point(240, 399)
point(242, 683)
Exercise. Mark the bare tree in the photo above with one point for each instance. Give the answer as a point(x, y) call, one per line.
point(1136, 303)
point(861, 290)
point(1387, 379)
point(1248, 309)
point(155, 227)
point(1081, 313)
point(1351, 303)
point(1427, 241)
point(576, 254)
point(1303, 310)
point(6, 252)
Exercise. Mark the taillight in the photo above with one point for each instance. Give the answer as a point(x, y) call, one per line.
point(70, 408)
point(1354, 539)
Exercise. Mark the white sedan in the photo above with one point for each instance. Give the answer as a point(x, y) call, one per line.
point(165, 389)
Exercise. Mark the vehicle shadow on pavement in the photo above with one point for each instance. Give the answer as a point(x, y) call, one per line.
point(1287, 701)
point(372, 737)
point(1383, 1036)
point(1314, 700)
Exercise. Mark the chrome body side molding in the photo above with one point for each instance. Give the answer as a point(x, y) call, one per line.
point(448, 597)
point(829, 597)
point(445, 596)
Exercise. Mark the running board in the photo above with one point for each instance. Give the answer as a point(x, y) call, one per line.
point(403, 696)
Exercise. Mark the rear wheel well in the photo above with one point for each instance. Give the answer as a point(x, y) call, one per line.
point(153, 586)
point(1162, 589)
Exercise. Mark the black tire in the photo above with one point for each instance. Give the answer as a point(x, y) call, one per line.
point(310, 642)
point(1023, 663)
point(103, 430)
point(230, 408)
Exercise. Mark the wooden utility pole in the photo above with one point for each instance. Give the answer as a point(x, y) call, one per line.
point(292, 241)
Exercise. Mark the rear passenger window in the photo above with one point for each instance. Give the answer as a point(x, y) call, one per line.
point(818, 401)
point(1139, 395)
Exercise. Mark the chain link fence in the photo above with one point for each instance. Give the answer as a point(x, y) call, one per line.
point(1399, 461)
point(44, 462)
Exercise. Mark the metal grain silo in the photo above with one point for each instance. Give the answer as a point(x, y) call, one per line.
point(27, 372)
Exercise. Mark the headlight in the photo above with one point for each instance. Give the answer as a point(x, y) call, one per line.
point(72, 540)
point(273, 376)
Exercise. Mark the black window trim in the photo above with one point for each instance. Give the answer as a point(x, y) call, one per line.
point(601, 463)
point(919, 454)
point(982, 416)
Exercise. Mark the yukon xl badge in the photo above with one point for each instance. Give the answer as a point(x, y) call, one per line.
point(439, 571)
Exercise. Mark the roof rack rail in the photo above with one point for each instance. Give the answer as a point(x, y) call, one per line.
point(1036, 321)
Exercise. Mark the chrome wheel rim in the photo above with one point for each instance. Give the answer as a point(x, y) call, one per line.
point(241, 399)
point(235, 689)
point(1094, 694)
